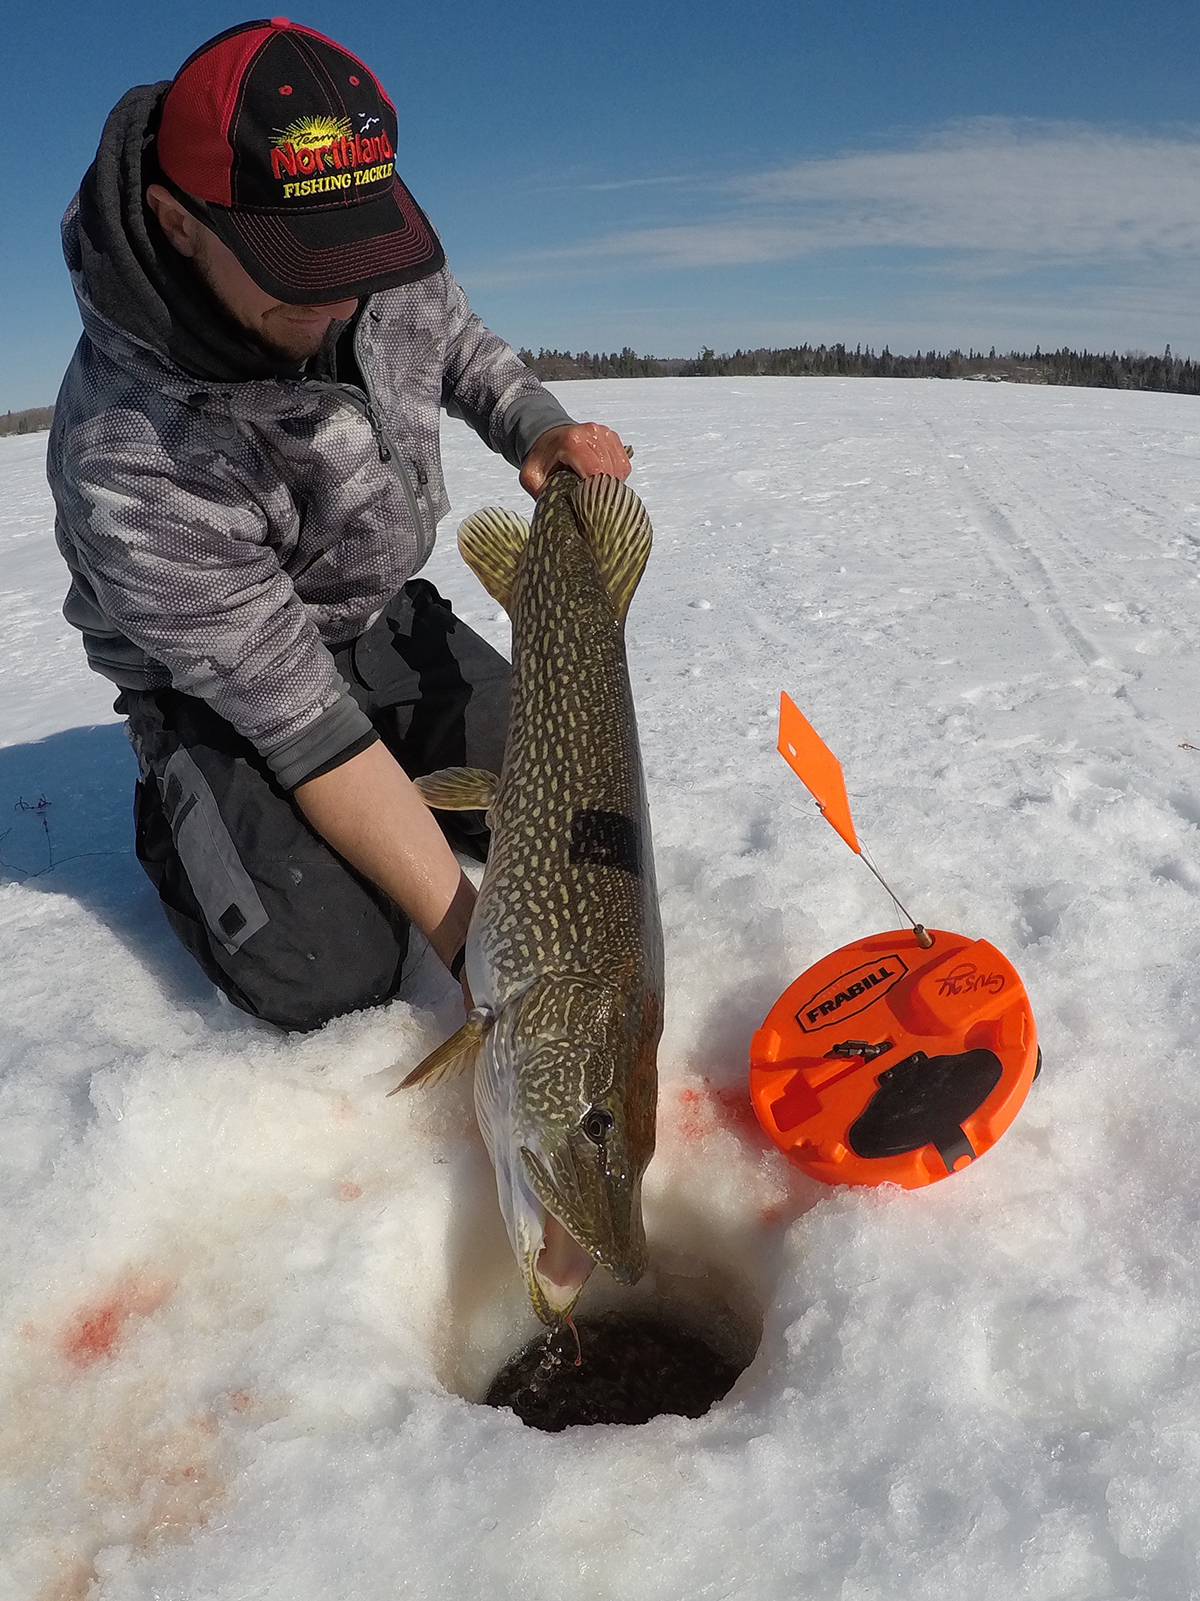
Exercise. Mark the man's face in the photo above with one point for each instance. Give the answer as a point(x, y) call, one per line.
point(293, 332)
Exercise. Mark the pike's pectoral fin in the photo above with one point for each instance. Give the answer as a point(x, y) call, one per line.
point(458, 789)
point(615, 523)
point(492, 543)
point(453, 1056)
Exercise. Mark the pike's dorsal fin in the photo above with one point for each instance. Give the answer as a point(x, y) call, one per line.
point(614, 522)
point(457, 789)
point(453, 1056)
point(492, 542)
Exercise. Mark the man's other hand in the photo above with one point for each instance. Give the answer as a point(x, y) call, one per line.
point(588, 447)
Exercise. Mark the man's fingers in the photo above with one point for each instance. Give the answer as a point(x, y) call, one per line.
point(601, 448)
point(532, 478)
point(587, 448)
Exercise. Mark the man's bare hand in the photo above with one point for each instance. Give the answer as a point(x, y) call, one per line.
point(588, 447)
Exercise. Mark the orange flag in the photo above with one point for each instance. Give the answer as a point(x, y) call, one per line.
point(817, 768)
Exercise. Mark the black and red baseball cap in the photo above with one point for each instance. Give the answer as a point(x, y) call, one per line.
point(284, 144)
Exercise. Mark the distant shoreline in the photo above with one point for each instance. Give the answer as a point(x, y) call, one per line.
point(1075, 368)
point(1082, 369)
point(33, 421)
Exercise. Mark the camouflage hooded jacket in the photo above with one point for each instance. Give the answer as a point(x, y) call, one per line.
point(222, 536)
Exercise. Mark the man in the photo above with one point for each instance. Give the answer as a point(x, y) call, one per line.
point(245, 464)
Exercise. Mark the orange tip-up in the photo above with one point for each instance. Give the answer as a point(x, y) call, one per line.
point(817, 768)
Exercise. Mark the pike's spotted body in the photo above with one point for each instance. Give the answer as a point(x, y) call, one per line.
point(571, 872)
point(564, 957)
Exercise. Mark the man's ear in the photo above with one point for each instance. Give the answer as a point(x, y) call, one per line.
point(181, 228)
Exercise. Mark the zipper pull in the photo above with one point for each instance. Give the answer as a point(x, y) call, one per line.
point(380, 442)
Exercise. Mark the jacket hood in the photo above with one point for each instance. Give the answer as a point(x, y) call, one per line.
point(128, 272)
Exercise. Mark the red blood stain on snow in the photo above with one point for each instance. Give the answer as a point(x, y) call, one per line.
point(703, 1111)
point(71, 1582)
point(240, 1400)
point(94, 1331)
point(173, 1481)
point(738, 1112)
point(348, 1190)
point(694, 1119)
point(156, 1481)
point(94, 1334)
point(157, 1484)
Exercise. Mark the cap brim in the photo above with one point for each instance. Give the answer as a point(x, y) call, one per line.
point(337, 253)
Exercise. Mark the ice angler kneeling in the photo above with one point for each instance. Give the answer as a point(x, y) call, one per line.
point(244, 460)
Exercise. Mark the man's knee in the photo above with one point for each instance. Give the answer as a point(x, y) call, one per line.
point(339, 949)
point(272, 915)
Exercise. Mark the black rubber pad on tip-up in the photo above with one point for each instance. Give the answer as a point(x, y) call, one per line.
point(924, 1100)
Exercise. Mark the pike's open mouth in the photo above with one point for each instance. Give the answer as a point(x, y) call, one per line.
point(562, 1265)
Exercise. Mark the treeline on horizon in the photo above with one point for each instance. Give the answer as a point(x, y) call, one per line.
point(1082, 368)
point(26, 422)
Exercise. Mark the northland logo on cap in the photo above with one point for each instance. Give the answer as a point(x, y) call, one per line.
point(288, 142)
point(321, 155)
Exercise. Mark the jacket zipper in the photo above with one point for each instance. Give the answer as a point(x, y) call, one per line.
point(364, 403)
point(388, 453)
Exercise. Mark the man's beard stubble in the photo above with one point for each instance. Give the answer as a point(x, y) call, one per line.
point(294, 351)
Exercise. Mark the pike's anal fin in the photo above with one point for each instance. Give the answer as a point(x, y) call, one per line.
point(453, 1056)
point(492, 543)
point(458, 789)
point(617, 527)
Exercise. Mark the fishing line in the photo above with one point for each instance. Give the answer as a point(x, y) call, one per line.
point(918, 928)
point(570, 1322)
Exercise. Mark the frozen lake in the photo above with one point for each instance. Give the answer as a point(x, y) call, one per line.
point(250, 1304)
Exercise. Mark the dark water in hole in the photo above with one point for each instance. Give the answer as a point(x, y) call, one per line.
point(632, 1369)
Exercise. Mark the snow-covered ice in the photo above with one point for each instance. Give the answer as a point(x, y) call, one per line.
point(249, 1303)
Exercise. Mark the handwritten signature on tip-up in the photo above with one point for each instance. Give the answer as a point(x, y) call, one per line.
point(966, 979)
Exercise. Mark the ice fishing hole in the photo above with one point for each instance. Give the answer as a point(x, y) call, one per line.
point(685, 1332)
point(627, 1367)
point(676, 1344)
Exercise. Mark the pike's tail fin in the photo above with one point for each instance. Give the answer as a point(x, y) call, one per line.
point(610, 518)
point(614, 522)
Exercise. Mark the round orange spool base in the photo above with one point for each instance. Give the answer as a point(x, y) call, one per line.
point(961, 1052)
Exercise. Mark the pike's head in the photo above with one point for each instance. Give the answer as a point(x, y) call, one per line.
point(566, 1092)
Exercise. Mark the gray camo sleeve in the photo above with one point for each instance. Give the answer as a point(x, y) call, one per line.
point(488, 385)
point(179, 560)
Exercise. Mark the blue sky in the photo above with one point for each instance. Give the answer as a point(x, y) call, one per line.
point(671, 175)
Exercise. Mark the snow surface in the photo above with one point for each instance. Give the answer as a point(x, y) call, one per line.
point(250, 1303)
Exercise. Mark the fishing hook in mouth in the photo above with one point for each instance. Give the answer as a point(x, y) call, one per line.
point(570, 1322)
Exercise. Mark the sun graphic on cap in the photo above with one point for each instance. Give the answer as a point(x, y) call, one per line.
point(309, 133)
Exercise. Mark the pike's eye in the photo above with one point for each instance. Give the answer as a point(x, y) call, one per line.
point(597, 1124)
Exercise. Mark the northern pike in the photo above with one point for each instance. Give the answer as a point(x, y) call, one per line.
point(564, 950)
